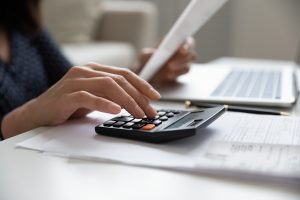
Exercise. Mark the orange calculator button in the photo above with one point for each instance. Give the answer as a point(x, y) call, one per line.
point(148, 127)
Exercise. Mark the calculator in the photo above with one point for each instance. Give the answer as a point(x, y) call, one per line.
point(167, 125)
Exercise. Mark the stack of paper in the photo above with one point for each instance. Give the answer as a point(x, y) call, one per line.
point(252, 144)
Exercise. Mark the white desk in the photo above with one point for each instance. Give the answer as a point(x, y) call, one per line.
point(30, 175)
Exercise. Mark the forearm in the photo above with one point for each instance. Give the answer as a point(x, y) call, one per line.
point(18, 121)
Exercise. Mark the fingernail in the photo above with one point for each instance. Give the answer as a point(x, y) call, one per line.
point(155, 93)
point(114, 108)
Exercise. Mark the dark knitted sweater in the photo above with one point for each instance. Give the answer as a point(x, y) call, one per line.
point(36, 64)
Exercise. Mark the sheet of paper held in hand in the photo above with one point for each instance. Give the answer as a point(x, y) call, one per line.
point(256, 145)
point(197, 13)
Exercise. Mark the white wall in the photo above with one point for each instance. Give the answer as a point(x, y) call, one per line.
point(266, 28)
point(244, 28)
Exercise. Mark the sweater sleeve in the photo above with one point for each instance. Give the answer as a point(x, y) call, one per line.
point(11, 94)
point(4, 107)
point(1, 99)
point(54, 61)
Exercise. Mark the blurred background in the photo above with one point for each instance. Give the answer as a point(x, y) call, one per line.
point(114, 31)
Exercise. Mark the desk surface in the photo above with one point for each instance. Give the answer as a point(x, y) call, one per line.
point(30, 175)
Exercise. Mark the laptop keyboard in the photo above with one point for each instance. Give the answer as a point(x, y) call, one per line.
point(251, 84)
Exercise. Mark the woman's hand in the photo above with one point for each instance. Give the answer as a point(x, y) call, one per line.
point(82, 90)
point(178, 65)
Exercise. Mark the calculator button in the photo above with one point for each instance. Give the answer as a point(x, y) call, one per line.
point(170, 115)
point(156, 117)
point(161, 113)
point(146, 121)
point(149, 127)
point(137, 126)
point(164, 118)
point(128, 125)
point(164, 110)
point(109, 123)
point(136, 120)
point(126, 115)
point(157, 122)
point(122, 119)
point(116, 118)
point(118, 124)
point(175, 111)
point(125, 119)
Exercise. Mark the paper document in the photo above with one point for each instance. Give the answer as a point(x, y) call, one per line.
point(277, 160)
point(197, 13)
point(238, 142)
point(261, 129)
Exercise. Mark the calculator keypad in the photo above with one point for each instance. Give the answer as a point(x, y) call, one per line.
point(167, 125)
point(127, 121)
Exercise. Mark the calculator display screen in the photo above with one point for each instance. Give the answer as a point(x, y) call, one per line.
point(185, 121)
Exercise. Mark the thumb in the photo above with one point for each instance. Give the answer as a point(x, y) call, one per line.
point(146, 55)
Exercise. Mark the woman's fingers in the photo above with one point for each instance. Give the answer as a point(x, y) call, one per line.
point(83, 99)
point(117, 94)
point(180, 63)
point(184, 58)
point(97, 89)
point(141, 100)
point(187, 47)
point(177, 71)
point(140, 84)
point(108, 88)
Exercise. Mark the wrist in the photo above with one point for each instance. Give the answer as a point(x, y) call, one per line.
point(30, 113)
point(20, 120)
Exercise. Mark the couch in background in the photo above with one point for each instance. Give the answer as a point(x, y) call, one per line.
point(107, 32)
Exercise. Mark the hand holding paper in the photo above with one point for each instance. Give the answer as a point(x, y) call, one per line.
point(197, 13)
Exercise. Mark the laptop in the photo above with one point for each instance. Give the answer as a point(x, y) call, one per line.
point(237, 81)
